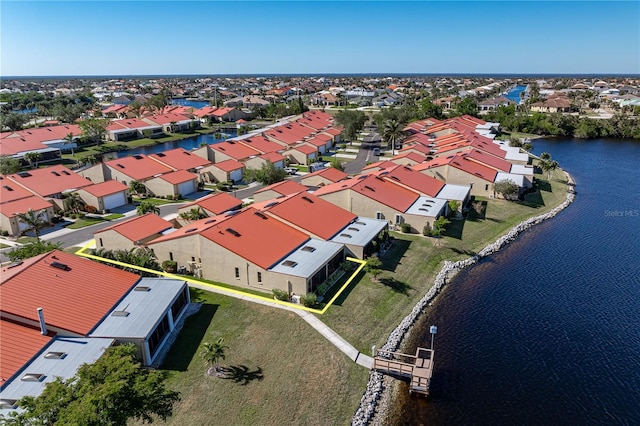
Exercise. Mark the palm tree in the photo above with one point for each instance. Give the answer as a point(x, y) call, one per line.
point(32, 158)
point(137, 187)
point(194, 214)
point(34, 221)
point(68, 140)
point(212, 352)
point(148, 207)
point(392, 133)
point(73, 202)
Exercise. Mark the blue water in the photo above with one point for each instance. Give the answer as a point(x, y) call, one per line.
point(189, 103)
point(514, 93)
point(547, 331)
point(188, 144)
point(26, 111)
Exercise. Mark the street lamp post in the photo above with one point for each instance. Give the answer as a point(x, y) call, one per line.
point(433, 330)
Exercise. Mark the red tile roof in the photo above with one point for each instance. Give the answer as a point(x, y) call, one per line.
point(19, 344)
point(216, 203)
point(139, 227)
point(256, 237)
point(165, 118)
point(489, 160)
point(31, 139)
point(75, 299)
point(13, 208)
point(330, 173)
point(235, 150)
point(274, 157)
point(413, 156)
point(128, 123)
point(221, 111)
point(313, 214)
point(229, 165)
point(285, 187)
point(204, 111)
point(405, 176)
point(375, 188)
point(260, 143)
point(192, 229)
point(180, 176)
point(305, 149)
point(138, 167)
point(50, 180)
point(180, 159)
point(10, 191)
point(105, 188)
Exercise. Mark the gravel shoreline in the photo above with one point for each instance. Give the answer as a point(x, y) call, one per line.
point(374, 404)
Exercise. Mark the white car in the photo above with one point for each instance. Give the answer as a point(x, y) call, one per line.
point(291, 170)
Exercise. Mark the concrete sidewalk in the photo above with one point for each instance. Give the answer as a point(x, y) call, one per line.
point(312, 320)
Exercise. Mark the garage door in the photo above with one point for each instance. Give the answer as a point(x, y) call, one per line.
point(114, 200)
point(236, 175)
point(185, 188)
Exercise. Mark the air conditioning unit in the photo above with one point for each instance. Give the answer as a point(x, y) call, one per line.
point(295, 299)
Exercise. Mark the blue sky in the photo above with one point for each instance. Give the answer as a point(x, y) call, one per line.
point(211, 37)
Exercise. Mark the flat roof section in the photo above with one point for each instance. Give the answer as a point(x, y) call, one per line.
point(427, 206)
point(454, 192)
point(61, 358)
point(308, 258)
point(360, 232)
point(140, 310)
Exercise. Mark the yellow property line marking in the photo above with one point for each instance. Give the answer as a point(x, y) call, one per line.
point(362, 263)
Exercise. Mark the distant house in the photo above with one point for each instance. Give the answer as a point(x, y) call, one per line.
point(15, 200)
point(132, 233)
point(214, 204)
point(493, 104)
point(323, 177)
point(558, 104)
point(278, 189)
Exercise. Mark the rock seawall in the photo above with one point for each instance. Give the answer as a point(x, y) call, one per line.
point(369, 404)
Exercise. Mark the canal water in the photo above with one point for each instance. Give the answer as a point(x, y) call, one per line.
point(547, 331)
point(188, 144)
point(514, 93)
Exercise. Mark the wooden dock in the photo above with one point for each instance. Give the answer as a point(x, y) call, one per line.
point(417, 368)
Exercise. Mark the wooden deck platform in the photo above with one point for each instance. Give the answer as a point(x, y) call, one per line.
point(417, 368)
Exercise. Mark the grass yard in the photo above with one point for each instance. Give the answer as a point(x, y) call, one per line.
point(369, 311)
point(113, 216)
point(2, 245)
point(86, 221)
point(26, 240)
point(156, 201)
point(281, 370)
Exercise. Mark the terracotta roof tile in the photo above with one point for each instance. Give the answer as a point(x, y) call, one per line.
point(180, 159)
point(13, 208)
point(139, 227)
point(19, 344)
point(215, 203)
point(138, 167)
point(50, 180)
point(285, 187)
point(105, 188)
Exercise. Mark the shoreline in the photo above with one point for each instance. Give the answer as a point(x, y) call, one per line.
point(374, 404)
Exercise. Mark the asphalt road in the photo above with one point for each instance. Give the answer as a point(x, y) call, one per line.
point(365, 155)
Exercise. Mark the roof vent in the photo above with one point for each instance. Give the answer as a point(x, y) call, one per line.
point(55, 355)
point(8, 403)
point(66, 173)
point(210, 221)
point(233, 232)
point(260, 215)
point(345, 235)
point(190, 230)
point(120, 165)
point(304, 197)
point(351, 228)
point(138, 157)
point(271, 204)
point(14, 264)
point(369, 188)
point(7, 187)
point(120, 314)
point(309, 249)
point(289, 263)
point(55, 173)
point(161, 154)
point(32, 377)
point(24, 174)
point(60, 265)
point(142, 288)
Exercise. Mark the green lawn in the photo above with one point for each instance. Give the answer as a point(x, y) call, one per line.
point(26, 240)
point(371, 310)
point(156, 201)
point(85, 221)
point(282, 371)
point(4, 245)
point(113, 216)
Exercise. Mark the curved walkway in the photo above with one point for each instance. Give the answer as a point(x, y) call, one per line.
point(322, 328)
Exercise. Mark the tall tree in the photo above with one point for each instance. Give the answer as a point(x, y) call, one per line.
point(137, 187)
point(34, 220)
point(12, 121)
point(352, 122)
point(73, 202)
point(193, 214)
point(32, 158)
point(111, 391)
point(68, 140)
point(467, 106)
point(9, 165)
point(392, 133)
point(94, 129)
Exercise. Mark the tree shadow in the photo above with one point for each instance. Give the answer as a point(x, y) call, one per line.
point(461, 251)
point(533, 199)
point(184, 348)
point(395, 285)
point(345, 293)
point(477, 210)
point(454, 229)
point(392, 257)
point(241, 374)
point(543, 185)
point(493, 219)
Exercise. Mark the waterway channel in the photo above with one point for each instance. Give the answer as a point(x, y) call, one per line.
point(547, 331)
point(188, 144)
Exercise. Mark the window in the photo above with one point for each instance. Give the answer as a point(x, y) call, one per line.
point(486, 187)
point(180, 303)
point(193, 258)
point(260, 277)
point(170, 255)
point(379, 215)
point(101, 245)
point(158, 335)
point(237, 273)
point(55, 355)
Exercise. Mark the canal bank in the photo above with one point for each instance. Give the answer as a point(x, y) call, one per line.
point(378, 394)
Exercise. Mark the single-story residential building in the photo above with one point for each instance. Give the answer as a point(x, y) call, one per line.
point(227, 170)
point(106, 195)
point(214, 204)
point(278, 189)
point(132, 233)
point(323, 177)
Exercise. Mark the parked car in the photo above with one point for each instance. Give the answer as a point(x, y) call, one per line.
point(376, 151)
point(291, 170)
